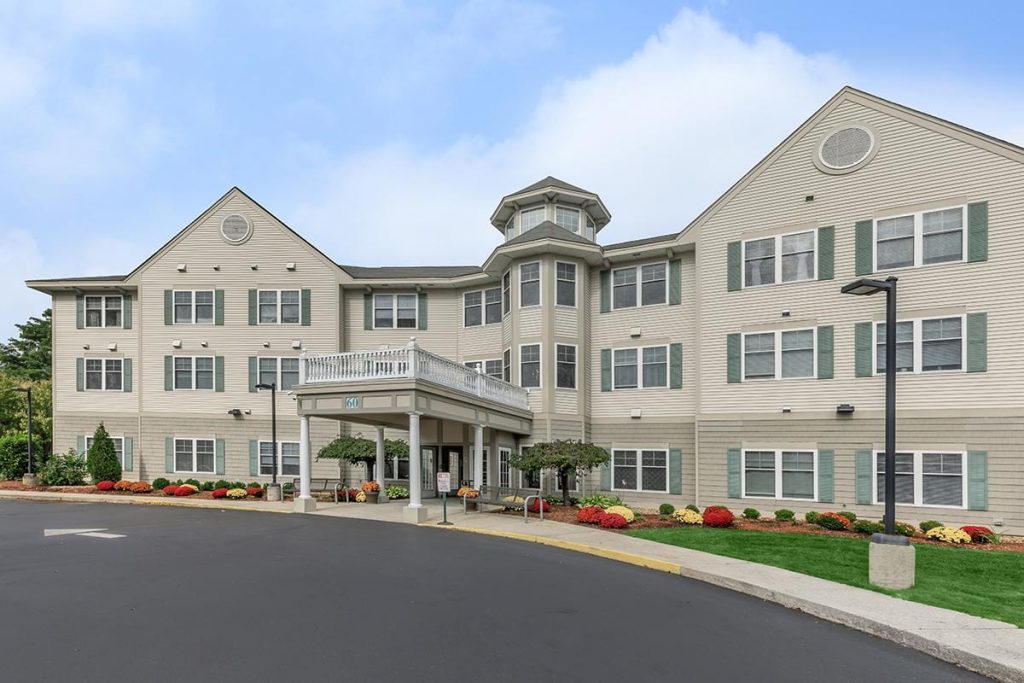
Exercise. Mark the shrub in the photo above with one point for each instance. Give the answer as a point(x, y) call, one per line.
point(904, 529)
point(288, 488)
point(833, 521)
point(718, 516)
point(693, 507)
point(688, 516)
point(948, 534)
point(928, 525)
point(105, 485)
point(236, 493)
point(254, 485)
point(194, 482)
point(751, 513)
point(123, 485)
point(65, 469)
point(238, 485)
point(254, 491)
point(784, 515)
point(14, 456)
point(102, 460)
point(396, 492)
point(810, 517)
point(184, 490)
point(980, 534)
point(141, 487)
point(591, 514)
point(623, 511)
point(538, 504)
point(852, 516)
point(222, 484)
point(220, 492)
point(666, 509)
point(206, 486)
point(603, 501)
point(611, 520)
point(866, 526)
point(170, 490)
point(551, 500)
point(160, 483)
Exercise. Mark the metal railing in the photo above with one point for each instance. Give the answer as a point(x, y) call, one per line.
point(409, 362)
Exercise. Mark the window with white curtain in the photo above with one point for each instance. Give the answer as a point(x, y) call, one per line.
point(780, 258)
point(103, 311)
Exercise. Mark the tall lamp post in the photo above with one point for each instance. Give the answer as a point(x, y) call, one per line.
point(276, 494)
point(29, 478)
point(891, 557)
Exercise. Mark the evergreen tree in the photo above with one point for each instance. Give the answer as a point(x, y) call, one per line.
point(28, 355)
point(103, 463)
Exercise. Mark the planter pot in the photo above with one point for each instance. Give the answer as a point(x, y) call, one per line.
point(274, 493)
point(30, 479)
point(470, 504)
point(372, 496)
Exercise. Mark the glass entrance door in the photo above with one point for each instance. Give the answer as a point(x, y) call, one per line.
point(453, 465)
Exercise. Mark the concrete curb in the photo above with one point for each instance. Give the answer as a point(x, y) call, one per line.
point(965, 658)
point(44, 496)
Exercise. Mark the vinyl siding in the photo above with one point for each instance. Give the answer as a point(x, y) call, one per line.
point(444, 324)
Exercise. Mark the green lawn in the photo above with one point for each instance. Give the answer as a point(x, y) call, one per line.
point(983, 583)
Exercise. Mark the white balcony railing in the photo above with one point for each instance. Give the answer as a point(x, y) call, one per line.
point(409, 362)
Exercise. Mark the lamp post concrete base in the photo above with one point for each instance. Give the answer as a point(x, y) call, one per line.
point(305, 504)
point(274, 493)
point(891, 562)
point(30, 479)
point(414, 515)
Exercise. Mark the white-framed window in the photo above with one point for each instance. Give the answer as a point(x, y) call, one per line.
point(510, 228)
point(103, 310)
point(279, 306)
point(504, 471)
point(925, 478)
point(783, 354)
point(920, 239)
point(396, 468)
point(529, 365)
point(591, 229)
point(506, 292)
point(282, 372)
point(640, 368)
point(394, 311)
point(652, 289)
point(193, 372)
point(531, 218)
point(104, 374)
point(565, 366)
point(529, 284)
point(288, 458)
point(491, 368)
point(118, 447)
point(640, 470)
point(924, 345)
point(506, 371)
point(481, 307)
point(565, 284)
point(194, 456)
point(780, 258)
point(194, 307)
point(472, 456)
point(781, 474)
point(568, 218)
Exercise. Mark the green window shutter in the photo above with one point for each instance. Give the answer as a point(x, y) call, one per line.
point(606, 476)
point(977, 342)
point(254, 458)
point(218, 455)
point(80, 445)
point(169, 454)
point(421, 313)
point(253, 375)
point(126, 311)
point(168, 373)
point(675, 471)
point(826, 475)
point(367, 311)
point(826, 253)
point(304, 307)
point(977, 480)
point(977, 231)
point(129, 454)
point(733, 360)
point(864, 251)
point(606, 369)
point(826, 351)
point(218, 307)
point(734, 457)
point(675, 366)
point(218, 373)
point(606, 291)
point(253, 307)
point(734, 253)
point(79, 374)
point(862, 469)
point(675, 282)
point(862, 349)
point(168, 307)
point(80, 312)
point(126, 375)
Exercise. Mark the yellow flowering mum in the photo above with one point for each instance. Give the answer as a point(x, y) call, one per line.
point(190, 486)
point(626, 513)
point(687, 516)
point(948, 534)
point(360, 497)
point(237, 493)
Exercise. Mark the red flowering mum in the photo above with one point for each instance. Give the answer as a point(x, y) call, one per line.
point(184, 491)
point(220, 493)
point(170, 489)
point(613, 520)
point(255, 491)
point(105, 486)
point(978, 534)
point(537, 504)
point(590, 514)
point(718, 516)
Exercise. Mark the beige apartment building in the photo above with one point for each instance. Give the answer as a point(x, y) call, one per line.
point(719, 364)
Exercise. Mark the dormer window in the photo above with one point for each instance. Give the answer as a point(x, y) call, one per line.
point(568, 218)
point(531, 218)
point(510, 228)
point(591, 233)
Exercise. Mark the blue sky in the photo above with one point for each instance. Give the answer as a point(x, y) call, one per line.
point(372, 128)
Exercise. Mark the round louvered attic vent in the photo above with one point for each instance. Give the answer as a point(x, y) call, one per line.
point(235, 228)
point(846, 149)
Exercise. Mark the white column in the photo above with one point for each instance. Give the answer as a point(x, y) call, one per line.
point(478, 456)
point(415, 468)
point(304, 502)
point(379, 467)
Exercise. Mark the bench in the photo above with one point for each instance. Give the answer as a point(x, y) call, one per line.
point(496, 495)
point(324, 486)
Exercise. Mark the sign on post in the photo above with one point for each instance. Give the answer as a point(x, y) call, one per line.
point(444, 482)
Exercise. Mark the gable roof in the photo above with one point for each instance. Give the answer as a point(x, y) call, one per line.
point(546, 230)
point(551, 181)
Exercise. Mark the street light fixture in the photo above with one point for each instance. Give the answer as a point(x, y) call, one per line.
point(273, 426)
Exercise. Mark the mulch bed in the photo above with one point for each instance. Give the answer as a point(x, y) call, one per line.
point(652, 520)
point(90, 489)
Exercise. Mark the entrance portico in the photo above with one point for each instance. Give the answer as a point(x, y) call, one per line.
point(395, 388)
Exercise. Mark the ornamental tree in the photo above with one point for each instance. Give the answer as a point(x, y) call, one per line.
point(566, 457)
point(357, 449)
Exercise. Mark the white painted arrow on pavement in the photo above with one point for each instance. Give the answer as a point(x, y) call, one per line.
point(92, 533)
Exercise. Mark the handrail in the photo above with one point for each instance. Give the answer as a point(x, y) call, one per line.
point(526, 508)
